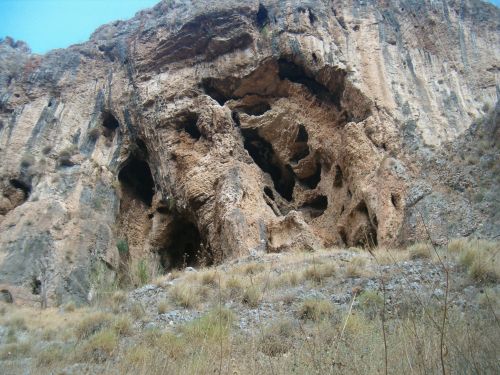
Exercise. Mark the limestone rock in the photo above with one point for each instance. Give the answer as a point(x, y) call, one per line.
point(202, 131)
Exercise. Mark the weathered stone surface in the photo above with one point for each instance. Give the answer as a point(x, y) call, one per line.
point(220, 129)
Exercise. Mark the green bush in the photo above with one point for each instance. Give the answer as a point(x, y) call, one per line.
point(122, 246)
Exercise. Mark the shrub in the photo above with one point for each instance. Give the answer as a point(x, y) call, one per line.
point(122, 325)
point(316, 310)
point(92, 324)
point(122, 246)
point(419, 251)
point(99, 347)
point(251, 296)
point(319, 272)
point(213, 326)
point(50, 355)
point(209, 277)
point(371, 302)
point(163, 307)
point(355, 267)
point(137, 311)
point(277, 339)
point(456, 246)
point(185, 295)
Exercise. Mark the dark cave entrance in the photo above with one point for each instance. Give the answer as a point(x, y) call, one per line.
point(110, 124)
point(316, 207)
point(188, 122)
point(263, 155)
point(183, 246)
point(137, 179)
point(297, 74)
point(20, 185)
point(367, 237)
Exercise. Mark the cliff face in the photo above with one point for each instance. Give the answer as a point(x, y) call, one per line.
point(208, 130)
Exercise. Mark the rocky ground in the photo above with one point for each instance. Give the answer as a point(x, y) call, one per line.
point(314, 312)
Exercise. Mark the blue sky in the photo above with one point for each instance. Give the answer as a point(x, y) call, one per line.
point(48, 24)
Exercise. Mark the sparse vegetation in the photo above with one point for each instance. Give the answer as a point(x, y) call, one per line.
point(319, 272)
point(122, 246)
point(312, 325)
point(315, 309)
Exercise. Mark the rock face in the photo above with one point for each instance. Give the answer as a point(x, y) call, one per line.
point(201, 131)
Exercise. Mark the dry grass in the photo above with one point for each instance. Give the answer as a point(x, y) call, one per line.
point(185, 295)
point(252, 296)
point(420, 250)
point(315, 309)
point(163, 307)
point(92, 324)
point(356, 267)
point(319, 272)
point(309, 337)
point(98, 348)
point(480, 258)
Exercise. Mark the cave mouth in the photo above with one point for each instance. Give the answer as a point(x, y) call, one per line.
point(257, 109)
point(312, 181)
point(263, 155)
point(316, 207)
point(137, 179)
point(20, 185)
point(367, 237)
point(297, 74)
point(183, 247)
point(262, 17)
point(188, 122)
point(110, 124)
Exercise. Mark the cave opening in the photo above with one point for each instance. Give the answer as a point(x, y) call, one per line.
point(236, 118)
point(36, 286)
point(395, 200)
point(209, 86)
point(183, 248)
point(316, 207)
point(302, 135)
point(189, 123)
point(20, 185)
point(367, 237)
point(300, 148)
point(269, 192)
point(136, 177)
point(257, 109)
point(110, 124)
point(312, 181)
point(295, 73)
point(263, 155)
point(262, 17)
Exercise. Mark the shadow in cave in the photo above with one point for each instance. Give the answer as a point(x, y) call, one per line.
point(182, 247)
point(297, 74)
point(136, 177)
point(263, 155)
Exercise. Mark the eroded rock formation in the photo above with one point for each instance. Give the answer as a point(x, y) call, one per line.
point(211, 130)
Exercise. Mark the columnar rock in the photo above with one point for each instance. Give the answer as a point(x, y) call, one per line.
point(201, 131)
